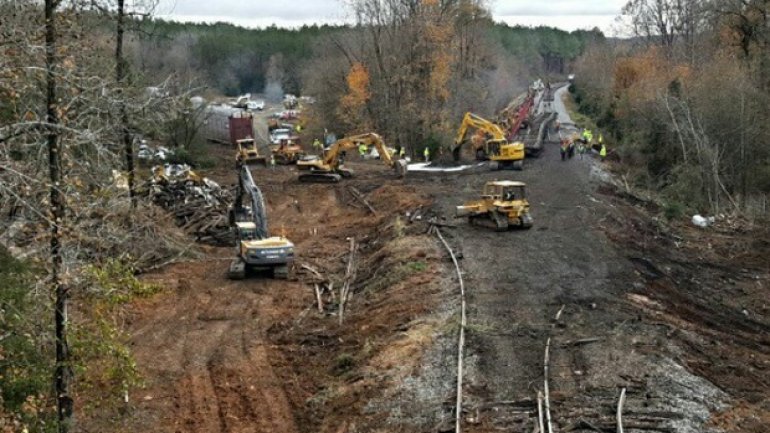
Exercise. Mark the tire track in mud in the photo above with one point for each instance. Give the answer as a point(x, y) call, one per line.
point(205, 348)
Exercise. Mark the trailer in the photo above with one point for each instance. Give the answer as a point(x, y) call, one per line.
point(227, 125)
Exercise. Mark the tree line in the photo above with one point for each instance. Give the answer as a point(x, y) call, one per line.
point(688, 101)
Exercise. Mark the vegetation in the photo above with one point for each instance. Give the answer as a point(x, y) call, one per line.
point(687, 102)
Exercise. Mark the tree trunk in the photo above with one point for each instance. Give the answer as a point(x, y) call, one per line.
point(120, 76)
point(62, 371)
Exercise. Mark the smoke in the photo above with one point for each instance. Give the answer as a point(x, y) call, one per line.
point(274, 91)
point(274, 76)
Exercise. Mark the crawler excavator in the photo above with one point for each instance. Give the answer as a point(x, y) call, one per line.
point(331, 167)
point(495, 148)
point(256, 249)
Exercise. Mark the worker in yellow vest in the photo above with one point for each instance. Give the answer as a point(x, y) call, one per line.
point(362, 150)
point(603, 152)
point(426, 154)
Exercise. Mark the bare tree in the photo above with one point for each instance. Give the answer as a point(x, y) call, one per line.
point(62, 373)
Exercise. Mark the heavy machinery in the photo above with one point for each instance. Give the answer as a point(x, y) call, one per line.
point(503, 205)
point(331, 167)
point(248, 154)
point(287, 152)
point(256, 249)
point(495, 147)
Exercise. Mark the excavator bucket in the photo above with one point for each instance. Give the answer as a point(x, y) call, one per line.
point(401, 167)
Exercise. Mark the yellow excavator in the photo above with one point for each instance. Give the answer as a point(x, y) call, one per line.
point(331, 168)
point(495, 148)
point(255, 248)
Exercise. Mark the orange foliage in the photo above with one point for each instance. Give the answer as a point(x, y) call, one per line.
point(643, 77)
point(358, 87)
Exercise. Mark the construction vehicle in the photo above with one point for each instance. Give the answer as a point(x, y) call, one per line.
point(494, 147)
point(331, 168)
point(256, 249)
point(248, 153)
point(289, 151)
point(503, 205)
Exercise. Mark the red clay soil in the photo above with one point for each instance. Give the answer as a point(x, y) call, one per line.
point(256, 355)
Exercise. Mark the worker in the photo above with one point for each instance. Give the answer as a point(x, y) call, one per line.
point(362, 150)
point(581, 149)
point(272, 161)
point(563, 149)
point(317, 144)
point(426, 154)
point(402, 153)
point(603, 152)
point(298, 128)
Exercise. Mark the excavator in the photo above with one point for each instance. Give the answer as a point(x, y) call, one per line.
point(331, 167)
point(256, 249)
point(496, 148)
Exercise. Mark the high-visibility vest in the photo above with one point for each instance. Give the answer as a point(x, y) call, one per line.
point(362, 149)
point(601, 139)
point(426, 153)
point(603, 152)
point(402, 153)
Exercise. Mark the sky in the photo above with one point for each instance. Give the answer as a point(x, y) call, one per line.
point(564, 14)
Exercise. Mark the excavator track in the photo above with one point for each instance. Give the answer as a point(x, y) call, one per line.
point(320, 178)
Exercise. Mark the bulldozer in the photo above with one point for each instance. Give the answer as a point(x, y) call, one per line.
point(495, 148)
point(503, 205)
point(255, 248)
point(248, 154)
point(331, 168)
point(288, 152)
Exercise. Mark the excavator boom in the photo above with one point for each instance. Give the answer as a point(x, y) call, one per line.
point(495, 147)
point(329, 169)
point(256, 249)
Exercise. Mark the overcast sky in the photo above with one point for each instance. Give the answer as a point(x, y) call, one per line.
point(565, 14)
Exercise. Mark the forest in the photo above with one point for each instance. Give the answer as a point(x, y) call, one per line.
point(687, 101)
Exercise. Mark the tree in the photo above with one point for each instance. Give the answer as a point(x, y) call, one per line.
point(62, 374)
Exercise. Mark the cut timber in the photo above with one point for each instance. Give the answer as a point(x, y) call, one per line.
point(349, 277)
point(621, 402)
point(318, 298)
point(546, 360)
point(540, 412)
point(360, 197)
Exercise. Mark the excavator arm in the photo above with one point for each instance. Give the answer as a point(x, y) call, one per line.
point(247, 186)
point(369, 139)
point(474, 121)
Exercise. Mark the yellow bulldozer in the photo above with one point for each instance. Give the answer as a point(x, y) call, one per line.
point(503, 205)
point(494, 147)
point(331, 167)
point(248, 154)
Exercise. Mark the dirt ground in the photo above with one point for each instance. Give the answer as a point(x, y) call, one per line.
point(678, 316)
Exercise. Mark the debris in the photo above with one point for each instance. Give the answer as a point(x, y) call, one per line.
point(702, 222)
point(199, 205)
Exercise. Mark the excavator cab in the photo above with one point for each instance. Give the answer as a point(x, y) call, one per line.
point(247, 231)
